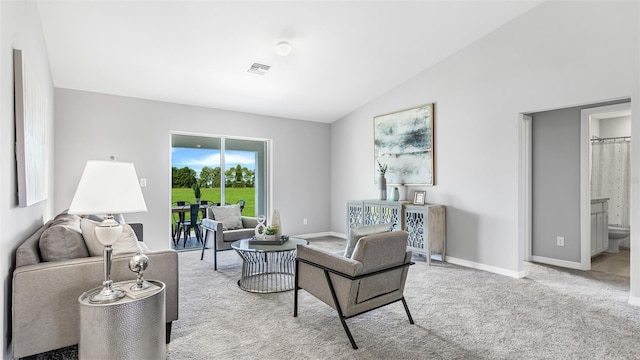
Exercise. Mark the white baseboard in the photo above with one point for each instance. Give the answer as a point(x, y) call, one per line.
point(556, 262)
point(489, 268)
point(449, 259)
point(635, 301)
point(321, 234)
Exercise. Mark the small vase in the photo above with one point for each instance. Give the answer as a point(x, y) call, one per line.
point(275, 221)
point(402, 193)
point(395, 194)
point(382, 188)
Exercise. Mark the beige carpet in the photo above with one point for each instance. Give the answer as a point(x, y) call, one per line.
point(460, 313)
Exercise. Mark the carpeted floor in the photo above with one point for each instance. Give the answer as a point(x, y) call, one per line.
point(460, 313)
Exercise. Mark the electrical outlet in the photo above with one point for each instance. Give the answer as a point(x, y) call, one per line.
point(304, 221)
point(560, 240)
point(143, 182)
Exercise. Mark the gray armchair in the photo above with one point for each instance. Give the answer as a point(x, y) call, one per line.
point(220, 239)
point(373, 277)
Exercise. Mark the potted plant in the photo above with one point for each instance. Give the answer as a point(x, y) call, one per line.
point(270, 232)
point(196, 192)
point(382, 181)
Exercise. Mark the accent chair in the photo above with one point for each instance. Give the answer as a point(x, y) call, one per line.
point(373, 277)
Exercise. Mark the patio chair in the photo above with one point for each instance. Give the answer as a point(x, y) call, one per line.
point(192, 224)
point(178, 209)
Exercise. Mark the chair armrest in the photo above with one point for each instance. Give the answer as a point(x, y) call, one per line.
point(249, 222)
point(212, 225)
point(323, 259)
point(215, 228)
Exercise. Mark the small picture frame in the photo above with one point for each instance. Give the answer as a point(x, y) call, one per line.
point(419, 197)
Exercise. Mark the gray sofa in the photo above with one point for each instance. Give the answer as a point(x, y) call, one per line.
point(45, 310)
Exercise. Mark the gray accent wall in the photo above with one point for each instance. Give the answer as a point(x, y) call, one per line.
point(556, 183)
point(96, 126)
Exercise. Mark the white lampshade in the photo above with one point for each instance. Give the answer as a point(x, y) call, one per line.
point(108, 187)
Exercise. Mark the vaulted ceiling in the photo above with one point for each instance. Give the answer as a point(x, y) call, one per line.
point(344, 53)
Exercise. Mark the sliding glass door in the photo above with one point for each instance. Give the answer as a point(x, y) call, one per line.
point(227, 170)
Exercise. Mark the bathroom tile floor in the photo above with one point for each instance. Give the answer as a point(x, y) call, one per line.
point(612, 263)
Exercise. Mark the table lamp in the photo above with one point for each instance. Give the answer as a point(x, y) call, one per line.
point(108, 188)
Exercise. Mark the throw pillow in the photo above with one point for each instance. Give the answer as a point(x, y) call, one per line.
point(67, 219)
point(62, 241)
point(119, 218)
point(228, 215)
point(127, 243)
point(356, 233)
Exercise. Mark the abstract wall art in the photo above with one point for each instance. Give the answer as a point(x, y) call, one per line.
point(403, 141)
point(31, 111)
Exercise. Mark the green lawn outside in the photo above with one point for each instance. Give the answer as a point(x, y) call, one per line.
point(233, 195)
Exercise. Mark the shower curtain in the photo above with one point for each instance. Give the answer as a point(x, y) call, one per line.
point(610, 177)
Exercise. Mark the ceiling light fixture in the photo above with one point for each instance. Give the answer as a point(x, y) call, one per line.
point(283, 48)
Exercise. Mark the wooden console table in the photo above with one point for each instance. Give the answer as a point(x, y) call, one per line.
point(426, 224)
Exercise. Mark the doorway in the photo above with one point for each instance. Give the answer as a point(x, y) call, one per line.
point(609, 150)
point(571, 235)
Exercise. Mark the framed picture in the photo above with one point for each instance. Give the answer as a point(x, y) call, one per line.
point(31, 122)
point(419, 197)
point(403, 141)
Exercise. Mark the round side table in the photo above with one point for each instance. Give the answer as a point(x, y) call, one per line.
point(267, 268)
point(125, 329)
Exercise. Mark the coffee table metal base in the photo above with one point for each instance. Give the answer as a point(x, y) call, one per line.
point(267, 272)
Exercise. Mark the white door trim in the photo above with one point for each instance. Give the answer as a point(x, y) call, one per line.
point(524, 191)
point(585, 178)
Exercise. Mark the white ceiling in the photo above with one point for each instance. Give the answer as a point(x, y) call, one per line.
point(345, 53)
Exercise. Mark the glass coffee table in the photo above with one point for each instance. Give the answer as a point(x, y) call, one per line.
point(267, 268)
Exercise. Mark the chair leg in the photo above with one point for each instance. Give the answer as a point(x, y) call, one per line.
point(168, 332)
point(198, 234)
point(295, 291)
point(406, 308)
point(215, 257)
point(342, 318)
point(187, 233)
point(204, 242)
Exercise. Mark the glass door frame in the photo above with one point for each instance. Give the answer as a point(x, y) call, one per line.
point(268, 178)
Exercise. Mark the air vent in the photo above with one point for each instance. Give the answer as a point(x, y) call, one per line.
point(258, 69)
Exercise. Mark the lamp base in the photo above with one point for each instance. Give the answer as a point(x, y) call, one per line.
point(107, 295)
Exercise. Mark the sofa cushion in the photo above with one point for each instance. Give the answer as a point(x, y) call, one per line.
point(126, 244)
point(238, 234)
point(63, 239)
point(356, 233)
point(228, 215)
point(380, 251)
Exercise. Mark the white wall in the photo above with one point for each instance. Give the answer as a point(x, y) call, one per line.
point(96, 126)
point(542, 60)
point(615, 127)
point(20, 29)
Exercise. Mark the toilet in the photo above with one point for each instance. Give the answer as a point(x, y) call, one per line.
point(616, 234)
